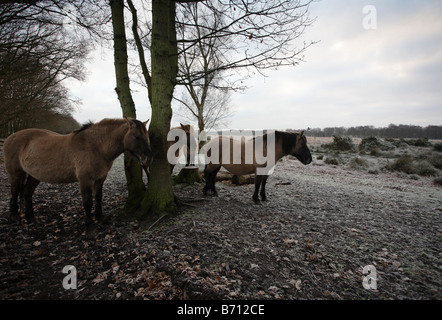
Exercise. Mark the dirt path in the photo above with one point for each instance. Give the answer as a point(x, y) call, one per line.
point(321, 226)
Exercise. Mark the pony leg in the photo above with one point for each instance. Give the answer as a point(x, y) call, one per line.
point(86, 195)
point(28, 192)
point(213, 179)
point(258, 180)
point(16, 189)
point(263, 188)
point(210, 173)
point(207, 179)
point(98, 200)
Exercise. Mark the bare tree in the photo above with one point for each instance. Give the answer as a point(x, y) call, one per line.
point(37, 54)
point(207, 97)
point(133, 172)
point(256, 35)
point(210, 107)
point(253, 35)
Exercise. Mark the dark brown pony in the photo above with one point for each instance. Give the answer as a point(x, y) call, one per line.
point(86, 155)
point(286, 143)
point(190, 139)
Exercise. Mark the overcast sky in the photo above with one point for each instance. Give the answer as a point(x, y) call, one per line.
point(355, 75)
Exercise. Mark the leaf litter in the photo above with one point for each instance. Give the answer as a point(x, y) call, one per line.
point(311, 240)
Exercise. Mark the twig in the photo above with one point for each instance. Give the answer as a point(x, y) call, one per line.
point(151, 226)
point(188, 204)
point(193, 199)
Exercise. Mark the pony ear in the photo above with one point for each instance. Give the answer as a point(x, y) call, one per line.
point(130, 122)
point(182, 126)
point(302, 133)
point(146, 122)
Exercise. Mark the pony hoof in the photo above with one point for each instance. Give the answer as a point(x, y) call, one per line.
point(92, 228)
point(14, 218)
point(32, 220)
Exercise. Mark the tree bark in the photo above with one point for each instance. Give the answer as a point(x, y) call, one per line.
point(159, 198)
point(188, 175)
point(132, 168)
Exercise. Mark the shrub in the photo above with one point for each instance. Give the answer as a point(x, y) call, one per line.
point(438, 147)
point(438, 181)
point(332, 161)
point(436, 161)
point(403, 164)
point(398, 143)
point(425, 169)
point(358, 163)
point(374, 152)
point(340, 143)
point(420, 142)
point(372, 143)
point(408, 165)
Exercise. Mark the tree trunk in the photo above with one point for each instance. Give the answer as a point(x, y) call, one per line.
point(159, 198)
point(132, 168)
point(188, 175)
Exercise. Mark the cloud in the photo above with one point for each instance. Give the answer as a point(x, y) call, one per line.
point(99, 99)
point(355, 76)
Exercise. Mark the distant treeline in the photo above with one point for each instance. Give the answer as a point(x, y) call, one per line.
point(392, 131)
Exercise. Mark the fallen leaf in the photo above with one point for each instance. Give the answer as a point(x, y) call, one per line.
point(289, 241)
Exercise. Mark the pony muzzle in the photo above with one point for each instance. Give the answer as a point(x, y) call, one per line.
point(306, 160)
point(145, 160)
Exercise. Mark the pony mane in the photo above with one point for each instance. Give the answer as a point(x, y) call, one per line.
point(288, 140)
point(85, 126)
point(104, 122)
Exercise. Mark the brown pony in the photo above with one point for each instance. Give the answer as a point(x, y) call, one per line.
point(285, 143)
point(85, 155)
point(189, 151)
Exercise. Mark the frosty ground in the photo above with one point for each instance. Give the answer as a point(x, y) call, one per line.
point(321, 226)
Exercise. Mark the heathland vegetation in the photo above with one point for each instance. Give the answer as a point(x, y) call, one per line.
point(392, 131)
point(413, 158)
